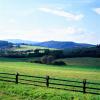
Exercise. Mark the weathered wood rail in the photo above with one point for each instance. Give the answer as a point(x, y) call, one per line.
point(69, 85)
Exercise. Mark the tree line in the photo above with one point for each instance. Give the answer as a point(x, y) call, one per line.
point(48, 56)
point(74, 52)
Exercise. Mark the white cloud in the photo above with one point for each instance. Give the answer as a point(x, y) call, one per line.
point(58, 34)
point(66, 31)
point(42, 34)
point(62, 13)
point(97, 10)
point(72, 30)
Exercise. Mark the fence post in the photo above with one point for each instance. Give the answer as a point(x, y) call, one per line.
point(47, 81)
point(17, 78)
point(84, 86)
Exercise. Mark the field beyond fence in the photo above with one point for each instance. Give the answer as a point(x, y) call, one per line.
point(83, 86)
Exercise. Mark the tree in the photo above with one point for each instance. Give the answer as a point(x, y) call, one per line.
point(44, 59)
point(46, 51)
point(98, 45)
point(59, 63)
point(50, 59)
point(36, 51)
point(57, 53)
point(47, 59)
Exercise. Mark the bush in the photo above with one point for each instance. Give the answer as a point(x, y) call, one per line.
point(47, 59)
point(59, 63)
point(37, 61)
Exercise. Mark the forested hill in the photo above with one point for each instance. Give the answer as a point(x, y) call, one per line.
point(5, 44)
point(62, 45)
point(19, 41)
point(83, 52)
point(51, 44)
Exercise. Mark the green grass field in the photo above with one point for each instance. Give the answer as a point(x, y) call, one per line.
point(76, 71)
point(27, 47)
point(85, 61)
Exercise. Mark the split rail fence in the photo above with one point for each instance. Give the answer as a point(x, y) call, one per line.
point(70, 85)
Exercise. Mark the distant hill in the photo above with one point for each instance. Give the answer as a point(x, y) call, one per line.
point(19, 41)
point(62, 45)
point(51, 44)
point(5, 44)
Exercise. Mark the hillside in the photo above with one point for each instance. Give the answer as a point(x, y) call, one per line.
point(5, 44)
point(29, 47)
point(12, 91)
point(62, 45)
point(51, 44)
point(19, 41)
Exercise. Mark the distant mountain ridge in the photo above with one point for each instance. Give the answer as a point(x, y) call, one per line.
point(18, 41)
point(62, 45)
point(5, 44)
point(52, 44)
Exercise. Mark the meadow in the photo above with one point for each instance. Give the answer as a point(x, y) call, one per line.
point(73, 71)
point(29, 47)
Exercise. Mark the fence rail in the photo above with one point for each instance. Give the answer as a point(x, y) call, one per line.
point(69, 85)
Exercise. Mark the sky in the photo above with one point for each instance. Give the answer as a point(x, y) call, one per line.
point(44, 20)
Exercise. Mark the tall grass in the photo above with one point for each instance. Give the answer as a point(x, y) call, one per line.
point(24, 92)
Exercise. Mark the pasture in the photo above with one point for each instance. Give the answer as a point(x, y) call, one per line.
point(24, 92)
point(28, 47)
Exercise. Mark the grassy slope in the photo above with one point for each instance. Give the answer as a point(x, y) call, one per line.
point(81, 72)
point(20, 92)
point(26, 47)
point(85, 61)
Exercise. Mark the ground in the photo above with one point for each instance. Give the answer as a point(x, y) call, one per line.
point(73, 72)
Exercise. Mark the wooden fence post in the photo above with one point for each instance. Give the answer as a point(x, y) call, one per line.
point(47, 81)
point(17, 78)
point(84, 86)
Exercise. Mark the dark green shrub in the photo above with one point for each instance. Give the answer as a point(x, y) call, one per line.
point(59, 63)
point(37, 61)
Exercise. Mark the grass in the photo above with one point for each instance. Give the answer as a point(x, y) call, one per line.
point(68, 72)
point(4, 96)
point(23, 92)
point(78, 72)
point(27, 47)
point(85, 61)
point(10, 91)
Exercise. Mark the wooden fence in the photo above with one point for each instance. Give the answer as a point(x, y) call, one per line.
point(71, 85)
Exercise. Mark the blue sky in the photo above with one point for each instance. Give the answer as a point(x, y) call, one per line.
point(43, 20)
